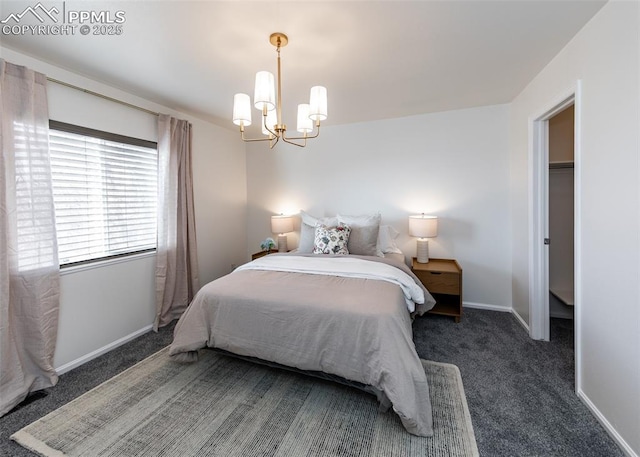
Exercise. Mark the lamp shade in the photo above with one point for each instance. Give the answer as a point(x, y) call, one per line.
point(318, 103)
point(423, 226)
point(265, 91)
point(241, 110)
point(305, 125)
point(281, 224)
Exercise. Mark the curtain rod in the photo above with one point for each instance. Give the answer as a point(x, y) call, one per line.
point(106, 97)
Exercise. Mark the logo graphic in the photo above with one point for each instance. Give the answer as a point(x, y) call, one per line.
point(34, 10)
point(52, 22)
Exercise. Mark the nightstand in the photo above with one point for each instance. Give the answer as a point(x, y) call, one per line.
point(443, 279)
point(257, 255)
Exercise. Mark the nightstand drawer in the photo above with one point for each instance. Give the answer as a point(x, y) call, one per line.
point(439, 282)
point(443, 279)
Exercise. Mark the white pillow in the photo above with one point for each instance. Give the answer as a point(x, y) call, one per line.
point(364, 233)
point(386, 241)
point(308, 230)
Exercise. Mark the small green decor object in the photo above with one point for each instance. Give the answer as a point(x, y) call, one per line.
point(268, 245)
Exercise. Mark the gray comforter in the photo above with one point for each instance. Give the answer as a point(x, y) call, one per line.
point(353, 327)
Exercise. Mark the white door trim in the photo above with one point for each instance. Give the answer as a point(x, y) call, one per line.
point(538, 215)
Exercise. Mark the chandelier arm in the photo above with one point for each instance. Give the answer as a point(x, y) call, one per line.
point(273, 141)
point(248, 140)
point(264, 121)
point(306, 137)
point(288, 140)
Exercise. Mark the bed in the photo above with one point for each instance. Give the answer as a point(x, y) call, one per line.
point(347, 316)
point(344, 315)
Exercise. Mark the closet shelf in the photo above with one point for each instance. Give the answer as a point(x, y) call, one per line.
point(564, 295)
point(556, 165)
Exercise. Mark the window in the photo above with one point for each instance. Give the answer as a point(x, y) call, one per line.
point(104, 191)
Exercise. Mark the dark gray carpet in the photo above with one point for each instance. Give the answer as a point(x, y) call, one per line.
point(520, 392)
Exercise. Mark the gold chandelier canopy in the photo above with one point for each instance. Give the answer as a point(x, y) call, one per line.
point(269, 103)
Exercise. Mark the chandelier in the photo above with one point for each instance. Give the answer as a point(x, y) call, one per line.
point(269, 103)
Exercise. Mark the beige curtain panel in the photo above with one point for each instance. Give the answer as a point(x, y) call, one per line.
point(177, 263)
point(29, 270)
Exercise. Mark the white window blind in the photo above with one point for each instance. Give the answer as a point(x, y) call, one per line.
point(105, 193)
point(33, 200)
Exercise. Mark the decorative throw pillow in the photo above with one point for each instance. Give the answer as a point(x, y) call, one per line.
point(308, 230)
point(332, 240)
point(364, 233)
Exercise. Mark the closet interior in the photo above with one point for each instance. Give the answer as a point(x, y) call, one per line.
point(561, 214)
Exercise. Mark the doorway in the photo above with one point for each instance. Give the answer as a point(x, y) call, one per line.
point(560, 213)
point(539, 238)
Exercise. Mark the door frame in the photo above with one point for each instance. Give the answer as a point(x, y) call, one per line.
point(539, 217)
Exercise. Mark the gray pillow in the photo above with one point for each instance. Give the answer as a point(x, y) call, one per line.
point(363, 239)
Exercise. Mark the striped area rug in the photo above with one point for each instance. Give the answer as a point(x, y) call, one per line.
point(222, 406)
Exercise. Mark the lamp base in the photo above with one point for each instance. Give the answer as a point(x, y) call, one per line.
point(422, 250)
point(282, 243)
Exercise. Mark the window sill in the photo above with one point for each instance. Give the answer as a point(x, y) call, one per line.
point(104, 263)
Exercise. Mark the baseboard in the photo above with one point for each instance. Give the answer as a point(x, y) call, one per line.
point(502, 309)
point(469, 304)
point(520, 320)
point(607, 425)
point(103, 350)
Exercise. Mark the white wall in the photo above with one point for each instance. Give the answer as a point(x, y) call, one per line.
point(105, 305)
point(452, 164)
point(605, 56)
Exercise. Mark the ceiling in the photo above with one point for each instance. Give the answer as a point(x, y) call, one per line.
point(378, 60)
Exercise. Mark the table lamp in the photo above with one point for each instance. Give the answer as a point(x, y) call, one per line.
point(423, 227)
point(281, 225)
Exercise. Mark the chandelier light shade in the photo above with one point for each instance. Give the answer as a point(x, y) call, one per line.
point(305, 124)
point(423, 227)
point(264, 95)
point(241, 109)
point(268, 101)
point(318, 103)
